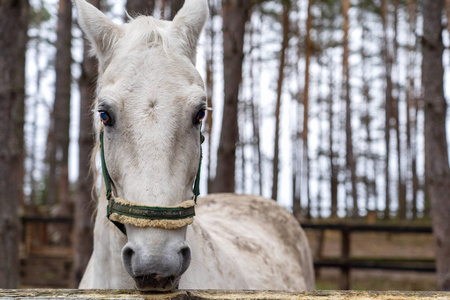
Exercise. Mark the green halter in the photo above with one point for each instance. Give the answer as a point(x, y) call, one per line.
point(148, 216)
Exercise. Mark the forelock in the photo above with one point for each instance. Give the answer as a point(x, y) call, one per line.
point(148, 31)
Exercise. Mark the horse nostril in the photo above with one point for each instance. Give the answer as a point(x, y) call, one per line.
point(128, 252)
point(127, 256)
point(185, 253)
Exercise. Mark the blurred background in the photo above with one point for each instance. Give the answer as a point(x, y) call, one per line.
point(334, 108)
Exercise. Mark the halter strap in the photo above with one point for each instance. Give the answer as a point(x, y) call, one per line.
point(196, 189)
point(121, 212)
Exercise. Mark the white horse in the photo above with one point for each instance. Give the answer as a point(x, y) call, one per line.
point(151, 101)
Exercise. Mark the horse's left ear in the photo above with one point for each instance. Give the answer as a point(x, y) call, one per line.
point(189, 23)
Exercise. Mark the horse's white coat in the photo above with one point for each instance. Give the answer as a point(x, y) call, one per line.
point(247, 242)
point(152, 92)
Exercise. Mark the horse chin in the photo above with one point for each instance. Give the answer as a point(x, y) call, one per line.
point(155, 283)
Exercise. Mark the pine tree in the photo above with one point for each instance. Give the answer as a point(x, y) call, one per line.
point(437, 170)
point(284, 47)
point(305, 156)
point(58, 159)
point(387, 57)
point(350, 158)
point(234, 15)
point(13, 32)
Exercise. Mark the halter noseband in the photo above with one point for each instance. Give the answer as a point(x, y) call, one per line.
point(121, 212)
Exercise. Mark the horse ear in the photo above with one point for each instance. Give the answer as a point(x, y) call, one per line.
point(189, 23)
point(101, 32)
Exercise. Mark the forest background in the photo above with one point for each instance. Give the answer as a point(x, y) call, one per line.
point(324, 104)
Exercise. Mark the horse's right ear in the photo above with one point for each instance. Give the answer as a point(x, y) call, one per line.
point(100, 31)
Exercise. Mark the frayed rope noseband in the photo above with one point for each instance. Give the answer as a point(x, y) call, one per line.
point(121, 212)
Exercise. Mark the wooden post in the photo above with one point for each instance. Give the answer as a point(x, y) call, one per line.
point(318, 253)
point(345, 254)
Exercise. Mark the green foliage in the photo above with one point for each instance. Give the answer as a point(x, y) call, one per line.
point(370, 6)
point(38, 16)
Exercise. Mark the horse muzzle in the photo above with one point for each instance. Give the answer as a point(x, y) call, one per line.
point(158, 272)
point(156, 283)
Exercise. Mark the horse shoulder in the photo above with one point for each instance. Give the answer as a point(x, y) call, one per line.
point(249, 242)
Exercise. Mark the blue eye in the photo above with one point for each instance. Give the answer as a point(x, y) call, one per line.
point(200, 116)
point(106, 119)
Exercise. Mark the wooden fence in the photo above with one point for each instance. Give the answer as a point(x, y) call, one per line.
point(35, 231)
point(45, 261)
point(215, 294)
point(345, 262)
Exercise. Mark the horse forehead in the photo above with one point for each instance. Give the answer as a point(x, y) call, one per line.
point(147, 66)
point(151, 69)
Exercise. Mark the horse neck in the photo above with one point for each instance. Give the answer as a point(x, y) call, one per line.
point(106, 234)
point(107, 269)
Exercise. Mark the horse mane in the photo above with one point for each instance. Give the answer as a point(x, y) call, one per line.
point(148, 30)
point(141, 29)
point(93, 168)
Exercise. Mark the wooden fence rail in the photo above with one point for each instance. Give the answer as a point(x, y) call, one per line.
point(215, 294)
point(35, 236)
point(345, 262)
point(35, 230)
point(356, 227)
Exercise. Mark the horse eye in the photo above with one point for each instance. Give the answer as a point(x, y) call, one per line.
point(200, 116)
point(106, 119)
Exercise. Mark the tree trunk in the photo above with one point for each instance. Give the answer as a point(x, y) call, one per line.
point(162, 9)
point(235, 14)
point(58, 187)
point(84, 205)
point(59, 195)
point(304, 181)
point(388, 103)
point(284, 46)
point(334, 181)
point(175, 6)
point(411, 109)
point(396, 115)
point(350, 159)
point(36, 98)
point(254, 105)
point(242, 159)
point(296, 205)
point(210, 85)
point(140, 7)
point(13, 32)
point(436, 151)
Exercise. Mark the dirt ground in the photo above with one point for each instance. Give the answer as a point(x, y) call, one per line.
point(377, 245)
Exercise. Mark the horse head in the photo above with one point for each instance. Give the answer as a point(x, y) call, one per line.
point(150, 104)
